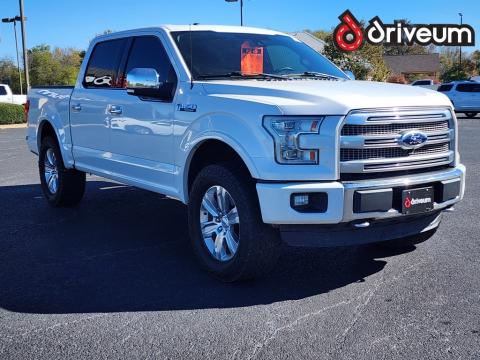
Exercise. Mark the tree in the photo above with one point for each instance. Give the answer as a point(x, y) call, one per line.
point(54, 67)
point(366, 63)
point(9, 74)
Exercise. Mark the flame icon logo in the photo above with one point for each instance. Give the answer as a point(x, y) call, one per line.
point(407, 203)
point(348, 34)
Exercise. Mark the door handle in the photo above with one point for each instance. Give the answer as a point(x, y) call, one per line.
point(77, 107)
point(115, 109)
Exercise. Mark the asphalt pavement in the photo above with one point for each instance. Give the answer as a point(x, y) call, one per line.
point(115, 278)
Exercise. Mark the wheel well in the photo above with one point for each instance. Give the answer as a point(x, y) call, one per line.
point(213, 152)
point(46, 129)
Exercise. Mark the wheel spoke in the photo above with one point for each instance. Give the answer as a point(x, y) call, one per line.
point(231, 243)
point(219, 241)
point(221, 198)
point(233, 216)
point(208, 228)
point(208, 205)
point(51, 184)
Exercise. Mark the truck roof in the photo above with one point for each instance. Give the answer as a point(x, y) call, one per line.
point(217, 28)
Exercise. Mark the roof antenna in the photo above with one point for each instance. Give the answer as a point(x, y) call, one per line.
point(191, 59)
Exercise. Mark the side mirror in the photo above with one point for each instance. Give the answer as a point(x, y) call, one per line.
point(350, 74)
point(144, 82)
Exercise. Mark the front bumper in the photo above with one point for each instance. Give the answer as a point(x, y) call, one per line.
point(275, 198)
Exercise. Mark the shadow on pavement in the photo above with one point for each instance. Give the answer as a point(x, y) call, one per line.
point(125, 249)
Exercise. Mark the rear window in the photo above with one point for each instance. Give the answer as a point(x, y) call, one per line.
point(468, 87)
point(445, 88)
point(3, 91)
point(422, 82)
point(102, 69)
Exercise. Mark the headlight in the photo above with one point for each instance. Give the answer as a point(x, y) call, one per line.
point(286, 131)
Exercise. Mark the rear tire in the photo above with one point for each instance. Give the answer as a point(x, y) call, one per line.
point(62, 187)
point(471, 115)
point(257, 246)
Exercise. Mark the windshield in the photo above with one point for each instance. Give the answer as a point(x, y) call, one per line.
point(217, 54)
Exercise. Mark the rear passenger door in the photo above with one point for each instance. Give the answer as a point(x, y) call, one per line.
point(463, 99)
point(476, 96)
point(142, 130)
point(89, 105)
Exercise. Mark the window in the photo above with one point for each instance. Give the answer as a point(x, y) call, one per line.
point(103, 65)
point(422, 82)
point(445, 88)
point(217, 53)
point(148, 52)
point(466, 87)
point(3, 91)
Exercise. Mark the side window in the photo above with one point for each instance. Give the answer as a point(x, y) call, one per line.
point(3, 91)
point(465, 87)
point(103, 65)
point(148, 52)
point(445, 88)
point(476, 88)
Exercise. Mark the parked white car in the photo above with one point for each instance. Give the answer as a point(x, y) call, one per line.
point(426, 83)
point(6, 96)
point(262, 137)
point(465, 96)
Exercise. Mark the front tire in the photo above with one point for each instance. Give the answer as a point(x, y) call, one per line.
point(226, 230)
point(471, 115)
point(61, 186)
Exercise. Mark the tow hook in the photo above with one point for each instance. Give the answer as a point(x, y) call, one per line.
point(361, 225)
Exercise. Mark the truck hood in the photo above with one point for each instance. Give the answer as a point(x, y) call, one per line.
point(315, 97)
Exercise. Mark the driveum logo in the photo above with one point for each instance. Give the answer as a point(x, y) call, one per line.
point(349, 35)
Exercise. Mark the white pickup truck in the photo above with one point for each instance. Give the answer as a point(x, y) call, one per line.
point(263, 138)
point(7, 96)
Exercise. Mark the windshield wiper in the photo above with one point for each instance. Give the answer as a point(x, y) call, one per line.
point(315, 74)
point(240, 75)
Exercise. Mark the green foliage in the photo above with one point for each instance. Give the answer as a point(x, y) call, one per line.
point(11, 114)
point(454, 72)
point(9, 74)
point(54, 67)
point(366, 63)
point(450, 64)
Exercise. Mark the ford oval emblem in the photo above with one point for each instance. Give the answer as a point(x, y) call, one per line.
point(413, 139)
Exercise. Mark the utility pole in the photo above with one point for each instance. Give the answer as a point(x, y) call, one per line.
point(14, 21)
point(24, 45)
point(241, 10)
point(460, 57)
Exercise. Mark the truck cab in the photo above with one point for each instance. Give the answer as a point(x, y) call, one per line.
point(265, 140)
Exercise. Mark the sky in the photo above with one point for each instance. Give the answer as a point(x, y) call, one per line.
point(73, 23)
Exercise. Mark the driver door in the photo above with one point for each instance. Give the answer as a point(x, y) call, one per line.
point(141, 132)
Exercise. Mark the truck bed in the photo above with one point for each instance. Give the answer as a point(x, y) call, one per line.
point(52, 103)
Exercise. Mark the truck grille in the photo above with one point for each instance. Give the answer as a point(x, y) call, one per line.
point(370, 140)
point(355, 130)
point(388, 153)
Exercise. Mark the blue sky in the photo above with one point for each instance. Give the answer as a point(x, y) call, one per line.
point(73, 23)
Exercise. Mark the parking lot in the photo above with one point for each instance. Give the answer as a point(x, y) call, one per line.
point(114, 278)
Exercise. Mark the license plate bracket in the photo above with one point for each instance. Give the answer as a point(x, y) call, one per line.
point(417, 201)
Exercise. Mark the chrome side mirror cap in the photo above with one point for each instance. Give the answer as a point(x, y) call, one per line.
point(145, 83)
point(142, 78)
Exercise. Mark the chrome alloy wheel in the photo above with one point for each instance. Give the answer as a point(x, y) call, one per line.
point(220, 223)
point(51, 171)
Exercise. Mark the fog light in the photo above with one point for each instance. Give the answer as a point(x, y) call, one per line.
point(314, 202)
point(300, 200)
